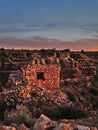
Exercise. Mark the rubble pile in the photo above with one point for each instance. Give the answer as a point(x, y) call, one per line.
point(86, 64)
point(45, 123)
point(16, 95)
point(56, 97)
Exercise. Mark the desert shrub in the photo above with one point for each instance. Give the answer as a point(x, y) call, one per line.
point(70, 112)
point(49, 111)
point(20, 115)
point(67, 112)
point(94, 81)
point(2, 109)
point(94, 100)
point(71, 96)
point(94, 91)
point(52, 113)
point(82, 93)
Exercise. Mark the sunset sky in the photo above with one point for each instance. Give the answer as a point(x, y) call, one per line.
point(49, 24)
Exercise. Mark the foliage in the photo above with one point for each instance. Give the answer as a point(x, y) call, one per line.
point(71, 96)
point(94, 91)
point(94, 81)
point(70, 112)
point(20, 115)
point(2, 110)
point(94, 100)
point(64, 112)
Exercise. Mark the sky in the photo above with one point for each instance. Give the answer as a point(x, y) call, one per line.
point(49, 24)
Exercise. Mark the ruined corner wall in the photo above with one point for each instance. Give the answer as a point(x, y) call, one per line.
point(51, 80)
point(15, 95)
point(51, 73)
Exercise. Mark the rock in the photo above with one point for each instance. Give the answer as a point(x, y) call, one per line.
point(15, 79)
point(14, 125)
point(12, 128)
point(53, 123)
point(75, 129)
point(81, 127)
point(7, 128)
point(63, 126)
point(93, 128)
point(3, 128)
point(22, 127)
point(43, 123)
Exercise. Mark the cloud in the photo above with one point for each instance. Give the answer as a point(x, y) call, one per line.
point(38, 43)
point(62, 29)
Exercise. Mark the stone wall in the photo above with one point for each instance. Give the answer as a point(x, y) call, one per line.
point(43, 76)
point(15, 95)
point(30, 77)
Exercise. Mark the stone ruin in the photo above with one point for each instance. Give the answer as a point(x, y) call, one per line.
point(39, 73)
point(46, 73)
point(43, 76)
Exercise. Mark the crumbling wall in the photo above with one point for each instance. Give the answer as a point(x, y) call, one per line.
point(32, 77)
point(50, 76)
point(15, 95)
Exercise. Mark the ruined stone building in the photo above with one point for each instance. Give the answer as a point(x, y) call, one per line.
point(40, 74)
point(45, 73)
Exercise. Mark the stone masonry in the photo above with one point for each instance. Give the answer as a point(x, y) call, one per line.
point(30, 77)
point(43, 76)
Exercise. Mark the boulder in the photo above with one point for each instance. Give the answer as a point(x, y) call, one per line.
point(14, 125)
point(43, 123)
point(93, 128)
point(3, 128)
point(12, 128)
point(81, 127)
point(53, 124)
point(22, 127)
point(63, 126)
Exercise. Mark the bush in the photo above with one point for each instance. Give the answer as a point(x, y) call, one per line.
point(70, 112)
point(66, 112)
point(94, 81)
point(94, 100)
point(71, 96)
point(20, 115)
point(52, 113)
point(94, 91)
point(2, 110)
